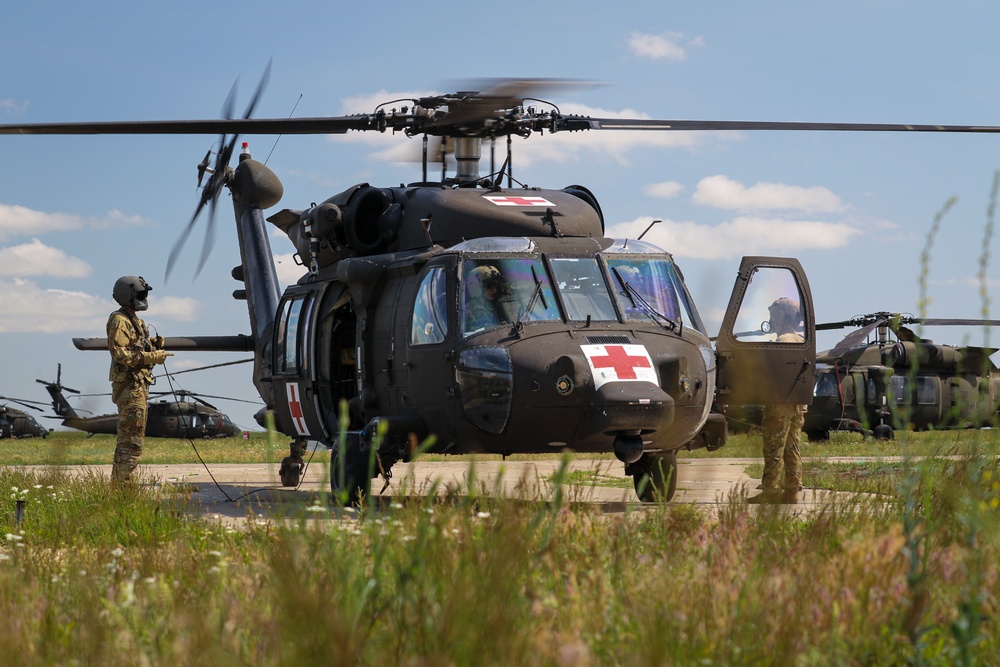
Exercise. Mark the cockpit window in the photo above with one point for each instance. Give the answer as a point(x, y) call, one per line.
point(645, 289)
point(430, 309)
point(501, 292)
point(583, 289)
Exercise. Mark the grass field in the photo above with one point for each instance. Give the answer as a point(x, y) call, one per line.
point(95, 575)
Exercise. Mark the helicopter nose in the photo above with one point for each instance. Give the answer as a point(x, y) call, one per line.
point(628, 410)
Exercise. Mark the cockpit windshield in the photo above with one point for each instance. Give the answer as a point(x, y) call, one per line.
point(650, 289)
point(500, 292)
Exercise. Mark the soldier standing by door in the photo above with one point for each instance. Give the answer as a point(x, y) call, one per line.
point(133, 355)
point(782, 424)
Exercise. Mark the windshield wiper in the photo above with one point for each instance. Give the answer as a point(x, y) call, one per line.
point(535, 295)
point(638, 301)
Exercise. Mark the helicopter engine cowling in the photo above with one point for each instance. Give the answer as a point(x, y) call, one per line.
point(908, 353)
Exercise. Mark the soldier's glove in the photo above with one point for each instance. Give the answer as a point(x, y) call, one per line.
point(155, 357)
point(157, 342)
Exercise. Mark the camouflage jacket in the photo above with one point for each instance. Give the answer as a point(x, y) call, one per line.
point(129, 343)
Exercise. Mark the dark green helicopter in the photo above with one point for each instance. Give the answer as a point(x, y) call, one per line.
point(884, 376)
point(16, 423)
point(184, 414)
point(581, 352)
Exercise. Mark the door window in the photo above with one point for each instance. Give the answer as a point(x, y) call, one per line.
point(430, 309)
point(287, 347)
point(770, 311)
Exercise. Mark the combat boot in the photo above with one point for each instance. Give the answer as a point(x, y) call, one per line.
point(789, 497)
point(766, 497)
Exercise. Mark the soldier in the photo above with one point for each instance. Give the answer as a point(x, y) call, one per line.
point(782, 424)
point(133, 355)
point(483, 306)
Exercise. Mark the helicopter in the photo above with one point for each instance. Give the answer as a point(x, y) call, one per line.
point(872, 383)
point(16, 423)
point(184, 415)
point(582, 354)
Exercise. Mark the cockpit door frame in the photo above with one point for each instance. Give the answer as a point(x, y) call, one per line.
point(766, 372)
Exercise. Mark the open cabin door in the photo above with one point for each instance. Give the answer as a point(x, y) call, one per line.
point(762, 359)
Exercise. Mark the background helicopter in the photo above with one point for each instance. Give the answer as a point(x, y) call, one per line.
point(16, 423)
point(185, 415)
point(379, 320)
point(872, 382)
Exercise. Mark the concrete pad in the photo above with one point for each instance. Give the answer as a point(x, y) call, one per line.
point(236, 492)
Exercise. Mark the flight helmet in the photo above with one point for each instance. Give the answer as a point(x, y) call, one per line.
point(132, 291)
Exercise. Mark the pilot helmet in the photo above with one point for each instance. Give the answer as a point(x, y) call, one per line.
point(132, 291)
point(483, 276)
point(785, 310)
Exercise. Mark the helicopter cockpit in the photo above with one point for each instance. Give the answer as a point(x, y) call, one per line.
point(507, 281)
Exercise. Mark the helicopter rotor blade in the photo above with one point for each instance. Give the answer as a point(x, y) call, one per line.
point(28, 404)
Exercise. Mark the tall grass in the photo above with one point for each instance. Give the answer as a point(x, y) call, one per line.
point(98, 576)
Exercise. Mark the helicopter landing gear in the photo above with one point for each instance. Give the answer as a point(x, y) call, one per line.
point(292, 465)
point(350, 480)
point(883, 432)
point(654, 476)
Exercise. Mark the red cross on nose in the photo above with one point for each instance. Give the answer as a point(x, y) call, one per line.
point(624, 364)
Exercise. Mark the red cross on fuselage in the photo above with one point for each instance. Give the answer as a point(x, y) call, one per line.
point(295, 408)
point(623, 363)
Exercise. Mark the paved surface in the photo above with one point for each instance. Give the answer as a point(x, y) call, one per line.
point(239, 492)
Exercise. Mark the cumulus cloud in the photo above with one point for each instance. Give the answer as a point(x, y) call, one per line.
point(179, 308)
point(12, 106)
point(26, 307)
point(20, 221)
point(288, 271)
point(37, 259)
point(722, 192)
point(740, 236)
point(665, 46)
point(664, 190)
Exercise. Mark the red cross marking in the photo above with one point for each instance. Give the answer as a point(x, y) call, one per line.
point(520, 201)
point(623, 363)
point(295, 407)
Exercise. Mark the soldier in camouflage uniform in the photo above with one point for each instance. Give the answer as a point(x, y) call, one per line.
point(782, 424)
point(133, 355)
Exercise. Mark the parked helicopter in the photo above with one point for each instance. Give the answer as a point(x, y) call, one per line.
point(874, 383)
point(185, 415)
point(582, 353)
point(16, 423)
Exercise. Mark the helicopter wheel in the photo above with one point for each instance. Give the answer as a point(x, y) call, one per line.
point(654, 477)
point(883, 432)
point(349, 483)
point(291, 470)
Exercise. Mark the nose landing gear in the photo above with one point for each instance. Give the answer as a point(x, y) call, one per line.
point(654, 476)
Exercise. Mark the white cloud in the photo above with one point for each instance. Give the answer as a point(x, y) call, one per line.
point(20, 221)
point(12, 106)
point(740, 236)
point(664, 190)
point(665, 46)
point(26, 307)
point(288, 271)
point(38, 259)
point(180, 308)
point(722, 192)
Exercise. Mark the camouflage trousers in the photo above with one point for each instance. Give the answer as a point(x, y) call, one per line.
point(131, 399)
point(782, 427)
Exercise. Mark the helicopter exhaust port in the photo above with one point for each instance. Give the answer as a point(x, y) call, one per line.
point(628, 447)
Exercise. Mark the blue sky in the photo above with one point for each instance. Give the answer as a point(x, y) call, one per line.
point(77, 212)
